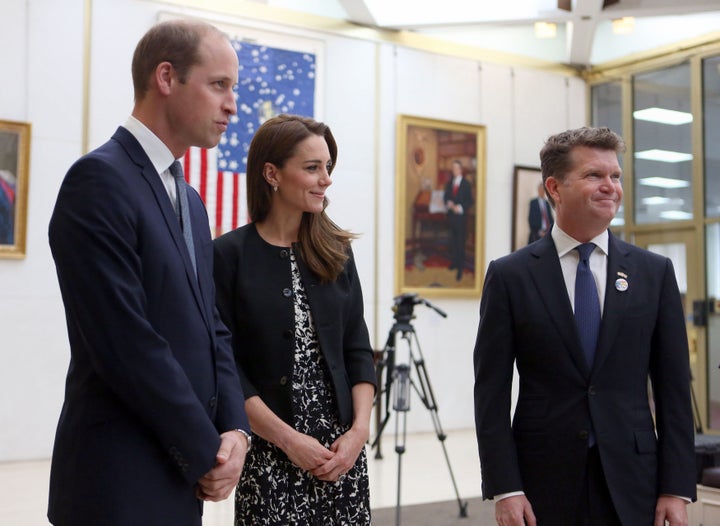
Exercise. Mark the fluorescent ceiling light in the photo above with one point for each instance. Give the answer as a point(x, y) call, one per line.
point(545, 30)
point(655, 200)
point(663, 116)
point(624, 25)
point(660, 200)
point(675, 215)
point(663, 156)
point(664, 182)
point(617, 221)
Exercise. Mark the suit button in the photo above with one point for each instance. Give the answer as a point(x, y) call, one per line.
point(283, 380)
point(288, 334)
point(213, 401)
point(284, 253)
point(287, 292)
point(583, 435)
point(591, 390)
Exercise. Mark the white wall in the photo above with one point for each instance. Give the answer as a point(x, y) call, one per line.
point(366, 85)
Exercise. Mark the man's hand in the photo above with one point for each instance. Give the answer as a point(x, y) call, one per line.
point(514, 511)
point(219, 483)
point(671, 509)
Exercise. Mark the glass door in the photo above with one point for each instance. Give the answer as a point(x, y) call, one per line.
point(681, 247)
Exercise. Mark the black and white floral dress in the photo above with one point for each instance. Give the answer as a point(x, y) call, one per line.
point(275, 492)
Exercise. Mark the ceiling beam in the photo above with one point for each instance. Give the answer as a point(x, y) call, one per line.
point(359, 12)
point(581, 31)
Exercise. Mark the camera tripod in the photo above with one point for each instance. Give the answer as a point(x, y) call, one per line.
point(397, 387)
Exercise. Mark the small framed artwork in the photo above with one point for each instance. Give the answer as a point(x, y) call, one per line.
point(440, 184)
point(532, 214)
point(14, 175)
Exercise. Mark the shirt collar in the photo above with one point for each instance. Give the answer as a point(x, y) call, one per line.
point(564, 243)
point(160, 155)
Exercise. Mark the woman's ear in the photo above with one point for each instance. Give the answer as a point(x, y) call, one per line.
point(270, 174)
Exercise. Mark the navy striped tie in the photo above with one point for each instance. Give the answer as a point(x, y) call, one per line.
point(587, 303)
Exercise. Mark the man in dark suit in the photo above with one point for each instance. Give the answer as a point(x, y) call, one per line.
point(153, 421)
point(540, 217)
point(458, 200)
point(584, 447)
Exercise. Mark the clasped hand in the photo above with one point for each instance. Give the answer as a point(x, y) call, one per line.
point(327, 464)
point(219, 483)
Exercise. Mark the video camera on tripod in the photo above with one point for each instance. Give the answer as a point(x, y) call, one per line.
point(398, 378)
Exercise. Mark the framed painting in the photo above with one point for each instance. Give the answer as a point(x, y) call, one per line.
point(14, 176)
point(532, 213)
point(440, 184)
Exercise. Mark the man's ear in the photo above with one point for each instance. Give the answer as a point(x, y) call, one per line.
point(551, 186)
point(164, 77)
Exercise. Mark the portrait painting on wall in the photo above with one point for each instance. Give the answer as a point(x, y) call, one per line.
point(14, 174)
point(440, 185)
point(532, 214)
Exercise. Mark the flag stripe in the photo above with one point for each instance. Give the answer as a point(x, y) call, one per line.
point(221, 191)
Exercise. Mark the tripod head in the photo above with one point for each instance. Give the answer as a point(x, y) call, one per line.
point(405, 304)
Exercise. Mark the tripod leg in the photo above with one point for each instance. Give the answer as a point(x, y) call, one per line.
point(399, 449)
point(427, 397)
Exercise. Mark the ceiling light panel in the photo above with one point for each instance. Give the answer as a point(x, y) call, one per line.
point(663, 182)
point(663, 156)
point(409, 12)
point(663, 116)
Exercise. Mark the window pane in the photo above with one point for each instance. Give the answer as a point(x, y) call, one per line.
point(662, 123)
point(607, 111)
point(711, 135)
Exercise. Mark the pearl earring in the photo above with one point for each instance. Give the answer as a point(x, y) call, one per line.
point(275, 188)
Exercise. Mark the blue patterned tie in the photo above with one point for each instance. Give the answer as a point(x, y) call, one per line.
point(587, 303)
point(184, 210)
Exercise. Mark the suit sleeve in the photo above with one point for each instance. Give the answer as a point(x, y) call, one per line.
point(359, 357)
point(670, 375)
point(494, 358)
point(94, 237)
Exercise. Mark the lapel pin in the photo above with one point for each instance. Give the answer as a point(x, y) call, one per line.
point(621, 284)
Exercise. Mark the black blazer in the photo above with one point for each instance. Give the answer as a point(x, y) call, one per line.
point(152, 381)
point(254, 296)
point(526, 317)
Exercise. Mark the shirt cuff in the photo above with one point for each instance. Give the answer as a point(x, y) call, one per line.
point(506, 495)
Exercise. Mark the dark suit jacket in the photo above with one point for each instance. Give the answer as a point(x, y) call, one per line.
point(152, 381)
point(464, 196)
point(255, 300)
point(535, 218)
point(526, 317)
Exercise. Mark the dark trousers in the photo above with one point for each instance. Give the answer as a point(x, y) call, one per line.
point(596, 506)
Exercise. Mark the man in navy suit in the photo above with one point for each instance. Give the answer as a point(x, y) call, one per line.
point(540, 219)
point(584, 447)
point(153, 421)
point(458, 200)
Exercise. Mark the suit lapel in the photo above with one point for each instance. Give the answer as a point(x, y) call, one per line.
point(620, 267)
point(148, 172)
point(548, 278)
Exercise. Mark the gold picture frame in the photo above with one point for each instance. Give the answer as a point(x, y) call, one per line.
point(14, 180)
point(429, 236)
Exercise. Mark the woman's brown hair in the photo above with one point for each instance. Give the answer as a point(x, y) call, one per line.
point(321, 243)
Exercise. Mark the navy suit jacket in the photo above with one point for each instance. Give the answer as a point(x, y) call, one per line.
point(152, 381)
point(526, 318)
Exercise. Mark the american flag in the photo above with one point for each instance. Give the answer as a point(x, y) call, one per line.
point(271, 81)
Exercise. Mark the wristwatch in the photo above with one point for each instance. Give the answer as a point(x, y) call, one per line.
point(248, 436)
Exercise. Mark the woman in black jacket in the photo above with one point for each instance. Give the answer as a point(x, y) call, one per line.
point(288, 289)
